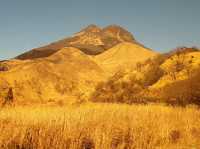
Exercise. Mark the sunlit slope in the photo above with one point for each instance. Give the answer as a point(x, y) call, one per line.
point(190, 62)
point(168, 78)
point(67, 72)
point(122, 56)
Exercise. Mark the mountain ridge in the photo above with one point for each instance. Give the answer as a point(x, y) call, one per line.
point(92, 40)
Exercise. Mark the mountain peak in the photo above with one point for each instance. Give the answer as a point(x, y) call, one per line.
point(119, 32)
point(114, 26)
point(92, 28)
point(91, 40)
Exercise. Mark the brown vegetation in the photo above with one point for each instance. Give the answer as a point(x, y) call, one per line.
point(117, 90)
point(3, 67)
point(183, 92)
point(99, 126)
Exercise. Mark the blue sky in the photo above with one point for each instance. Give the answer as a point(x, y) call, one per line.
point(158, 24)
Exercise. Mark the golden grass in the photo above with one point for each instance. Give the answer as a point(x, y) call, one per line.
point(122, 56)
point(100, 126)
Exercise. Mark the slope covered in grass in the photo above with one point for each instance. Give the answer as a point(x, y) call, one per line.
point(68, 72)
point(170, 78)
point(122, 56)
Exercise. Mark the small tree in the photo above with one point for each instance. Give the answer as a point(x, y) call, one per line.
point(152, 75)
point(178, 63)
point(183, 92)
point(3, 67)
point(9, 97)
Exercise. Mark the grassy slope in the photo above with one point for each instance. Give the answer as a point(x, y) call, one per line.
point(182, 75)
point(103, 126)
point(67, 72)
point(121, 56)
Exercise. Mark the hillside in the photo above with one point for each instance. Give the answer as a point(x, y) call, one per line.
point(71, 67)
point(68, 72)
point(169, 78)
point(178, 68)
point(122, 56)
point(91, 40)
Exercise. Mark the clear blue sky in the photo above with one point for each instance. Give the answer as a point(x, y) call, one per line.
point(158, 24)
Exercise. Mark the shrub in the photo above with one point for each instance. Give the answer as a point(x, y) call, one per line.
point(151, 70)
point(152, 75)
point(4, 67)
point(118, 90)
point(183, 92)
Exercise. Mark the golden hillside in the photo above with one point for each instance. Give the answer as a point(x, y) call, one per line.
point(67, 72)
point(169, 78)
point(123, 55)
point(188, 63)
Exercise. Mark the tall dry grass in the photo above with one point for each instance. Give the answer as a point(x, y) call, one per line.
point(100, 126)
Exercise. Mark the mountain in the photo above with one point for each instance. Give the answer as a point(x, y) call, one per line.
point(68, 72)
point(91, 40)
point(123, 55)
point(71, 68)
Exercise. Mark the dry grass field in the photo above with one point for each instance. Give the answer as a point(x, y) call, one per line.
point(100, 126)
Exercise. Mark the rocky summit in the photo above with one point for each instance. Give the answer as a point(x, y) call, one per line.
point(91, 40)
